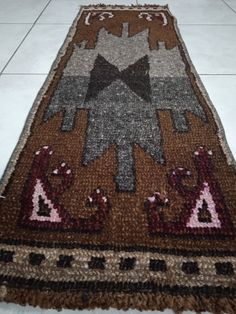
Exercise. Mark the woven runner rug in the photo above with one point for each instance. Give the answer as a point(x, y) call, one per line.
point(121, 191)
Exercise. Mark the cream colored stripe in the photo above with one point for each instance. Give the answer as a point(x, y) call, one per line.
point(170, 277)
point(79, 270)
point(79, 253)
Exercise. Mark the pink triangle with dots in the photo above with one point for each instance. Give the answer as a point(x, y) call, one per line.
point(40, 199)
point(204, 198)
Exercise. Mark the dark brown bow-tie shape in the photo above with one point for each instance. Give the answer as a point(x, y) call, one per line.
point(136, 76)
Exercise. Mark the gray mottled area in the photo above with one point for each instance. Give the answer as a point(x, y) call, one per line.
point(68, 98)
point(119, 51)
point(166, 63)
point(117, 115)
point(176, 94)
point(123, 51)
point(81, 62)
point(120, 117)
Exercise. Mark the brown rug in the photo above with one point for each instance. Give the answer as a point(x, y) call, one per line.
point(121, 191)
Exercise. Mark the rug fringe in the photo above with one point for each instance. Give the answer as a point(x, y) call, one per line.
point(121, 301)
point(120, 7)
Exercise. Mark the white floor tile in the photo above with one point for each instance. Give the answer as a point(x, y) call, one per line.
point(222, 91)
point(198, 11)
point(17, 93)
point(10, 37)
point(39, 50)
point(11, 308)
point(20, 11)
point(16, 309)
point(212, 48)
point(113, 2)
point(60, 11)
point(64, 11)
point(232, 4)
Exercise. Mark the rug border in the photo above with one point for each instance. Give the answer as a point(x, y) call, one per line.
point(221, 132)
point(119, 301)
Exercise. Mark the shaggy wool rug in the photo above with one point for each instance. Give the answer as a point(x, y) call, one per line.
point(121, 191)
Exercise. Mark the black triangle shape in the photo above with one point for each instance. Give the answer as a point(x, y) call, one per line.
point(203, 213)
point(101, 76)
point(136, 76)
point(44, 210)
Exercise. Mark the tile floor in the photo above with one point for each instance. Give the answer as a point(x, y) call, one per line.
point(31, 33)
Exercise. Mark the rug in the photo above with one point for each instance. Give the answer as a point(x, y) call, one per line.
point(121, 191)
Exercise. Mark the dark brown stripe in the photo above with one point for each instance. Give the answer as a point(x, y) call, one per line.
point(116, 248)
point(106, 286)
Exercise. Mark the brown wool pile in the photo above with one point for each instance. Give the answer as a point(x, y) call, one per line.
point(121, 191)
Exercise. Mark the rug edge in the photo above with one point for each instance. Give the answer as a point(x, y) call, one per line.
point(231, 160)
point(22, 139)
point(120, 301)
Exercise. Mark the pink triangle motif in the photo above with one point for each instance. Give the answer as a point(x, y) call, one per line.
point(194, 222)
point(39, 192)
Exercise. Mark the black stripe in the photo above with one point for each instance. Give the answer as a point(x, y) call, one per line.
point(216, 236)
point(106, 286)
point(119, 248)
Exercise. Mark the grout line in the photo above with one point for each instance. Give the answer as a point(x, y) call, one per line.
point(39, 23)
point(14, 23)
point(69, 23)
point(228, 6)
point(206, 74)
point(25, 37)
point(220, 74)
point(9, 74)
point(207, 24)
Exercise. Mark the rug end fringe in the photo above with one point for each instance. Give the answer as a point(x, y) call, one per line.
point(120, 301)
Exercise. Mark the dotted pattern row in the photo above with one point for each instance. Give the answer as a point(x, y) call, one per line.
point(155, 265)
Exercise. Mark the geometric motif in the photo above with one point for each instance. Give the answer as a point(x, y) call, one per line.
point(64, 261)
point(157, 265)
point(43, 208)
point(97, 263)
point(224, 268)
point(207, 204)
point(40, 199)
point(36, 259)
point(204, 212)
point(6, 256)
point(190, 268)
point(127, 263)
point(122, 87)
point(135, 76)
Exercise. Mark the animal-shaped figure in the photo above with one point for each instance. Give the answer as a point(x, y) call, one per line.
point(40, 206)
point(204, 210)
